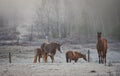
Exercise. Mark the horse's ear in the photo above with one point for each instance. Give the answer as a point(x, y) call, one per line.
point(99, 33)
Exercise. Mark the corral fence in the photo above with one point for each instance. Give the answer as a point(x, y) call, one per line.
point(28, 56)
point(4, 55)
point(9, 55)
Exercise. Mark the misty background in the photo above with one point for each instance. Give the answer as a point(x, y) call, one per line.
point(32, 20)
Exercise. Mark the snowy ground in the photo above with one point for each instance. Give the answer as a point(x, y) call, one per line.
point(22, 62)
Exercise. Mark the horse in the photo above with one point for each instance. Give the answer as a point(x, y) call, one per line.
point(74, 55)
point(49, 49)
point(38, 54)
point(101, 48)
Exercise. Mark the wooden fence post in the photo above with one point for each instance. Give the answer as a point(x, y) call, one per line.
point(88, 55)
point(9, 57)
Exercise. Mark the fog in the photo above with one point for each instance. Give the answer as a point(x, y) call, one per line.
point(60, 18)
point(17, 11)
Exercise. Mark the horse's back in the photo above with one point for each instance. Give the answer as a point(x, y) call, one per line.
point(68, 52)
point(43, 46)
point(50, 47)
point(77, 54)
point(72, 54)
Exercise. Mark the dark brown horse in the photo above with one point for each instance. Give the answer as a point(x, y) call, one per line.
point(38, 53)
point(101, 48)
point(74, 55)
point(49, 49)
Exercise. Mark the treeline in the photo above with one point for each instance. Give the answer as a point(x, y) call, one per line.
point(69, 19)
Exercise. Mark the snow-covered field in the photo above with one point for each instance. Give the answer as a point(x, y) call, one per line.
point(22, 62)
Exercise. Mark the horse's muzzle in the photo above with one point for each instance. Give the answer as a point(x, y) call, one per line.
point(61, 51)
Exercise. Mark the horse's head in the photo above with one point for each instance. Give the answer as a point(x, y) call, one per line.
point(99, 34)
point(59, 47)
point(84, 57)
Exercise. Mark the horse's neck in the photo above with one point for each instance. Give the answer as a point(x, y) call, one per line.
point(74, 53)
point(99, 40)
point(54, 49)
point(80, 56)
point(100, 44)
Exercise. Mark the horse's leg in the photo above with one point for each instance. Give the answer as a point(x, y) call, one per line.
point(39, 56)
point(35, 59)
point(102, 59)
point(76, 60)
point(105, 55)
point(105, 60)
point(70, 60)
point(66, 59)
point(52, 58)
point(45, 58)
point(99, 58)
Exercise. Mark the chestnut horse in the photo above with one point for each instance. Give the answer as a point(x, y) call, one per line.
point(74, 55)
point(38, 53)
point(101, 48)
point(49, 49)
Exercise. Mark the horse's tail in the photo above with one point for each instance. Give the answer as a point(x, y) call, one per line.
point(35, 57)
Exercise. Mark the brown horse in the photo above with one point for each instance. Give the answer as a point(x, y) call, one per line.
point(49, 49)
point(101, 48)
point(38, 54)
point(70, 55)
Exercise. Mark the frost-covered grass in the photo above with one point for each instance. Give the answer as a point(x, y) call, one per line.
point(22, 62)
point(55, 69)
